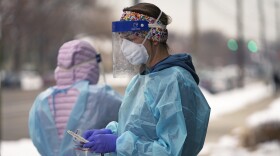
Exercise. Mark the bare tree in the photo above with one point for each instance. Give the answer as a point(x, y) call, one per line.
point(33, 30)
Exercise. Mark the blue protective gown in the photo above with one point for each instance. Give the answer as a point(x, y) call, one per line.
point(86, 114)
point(163, 113)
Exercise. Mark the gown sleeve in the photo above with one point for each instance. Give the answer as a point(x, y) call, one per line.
point(113, 126)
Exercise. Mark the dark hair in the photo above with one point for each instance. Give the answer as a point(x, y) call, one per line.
point(149, 10)
point(152, 11)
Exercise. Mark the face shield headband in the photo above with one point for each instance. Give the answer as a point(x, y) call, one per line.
point(158, 31)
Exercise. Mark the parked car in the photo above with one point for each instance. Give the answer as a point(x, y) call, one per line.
point(30, 80)
point(9, 79)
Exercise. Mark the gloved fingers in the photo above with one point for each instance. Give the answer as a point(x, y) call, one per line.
point(95, 137)
point(99, 148)
point(105, 131)
point(87, 134)
point(95, 148)
point(92, 136)
point(89, 144)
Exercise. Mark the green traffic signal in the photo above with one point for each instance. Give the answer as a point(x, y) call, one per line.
point(252, 46)
point(232, 45)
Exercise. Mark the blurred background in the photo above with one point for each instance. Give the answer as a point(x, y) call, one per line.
point(235, 45)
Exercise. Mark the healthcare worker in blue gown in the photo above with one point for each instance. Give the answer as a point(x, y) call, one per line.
point(164, 112)
point(76, 102)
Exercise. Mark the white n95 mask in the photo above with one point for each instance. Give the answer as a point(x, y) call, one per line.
point(136, 54)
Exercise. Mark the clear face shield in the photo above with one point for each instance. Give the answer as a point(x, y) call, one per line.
point(127, 56)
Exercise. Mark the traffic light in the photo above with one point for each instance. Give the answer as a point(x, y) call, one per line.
point(252, 46)
point(232, 45)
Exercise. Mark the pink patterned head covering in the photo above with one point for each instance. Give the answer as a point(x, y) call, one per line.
point(76, 61)
point(159, 34)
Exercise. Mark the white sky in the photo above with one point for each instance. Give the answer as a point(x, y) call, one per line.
point(213, 15)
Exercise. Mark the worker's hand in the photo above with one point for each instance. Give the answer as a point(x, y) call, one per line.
point(102, 143)
point(88, 133)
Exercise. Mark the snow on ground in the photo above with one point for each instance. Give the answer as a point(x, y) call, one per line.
point(23, 147)
point(233, 100)
point(220, 104)
point(228, 145)
point(270, 114)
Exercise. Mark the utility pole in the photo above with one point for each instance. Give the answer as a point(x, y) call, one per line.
point(0, 26)
point(195, 31)
point(240, 40)
point(1, 63)
point(263, 52)
point(136, 2)
point(277, 21)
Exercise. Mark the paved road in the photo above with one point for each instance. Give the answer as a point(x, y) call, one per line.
point(15, 109)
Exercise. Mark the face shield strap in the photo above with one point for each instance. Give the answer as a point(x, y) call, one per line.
point(154, 25)
point(98, 58)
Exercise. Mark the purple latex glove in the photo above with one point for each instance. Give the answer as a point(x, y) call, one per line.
point(102, 143)
point(88, 133)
